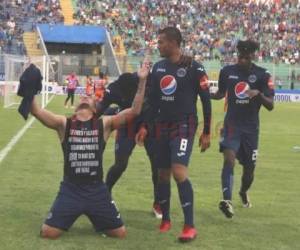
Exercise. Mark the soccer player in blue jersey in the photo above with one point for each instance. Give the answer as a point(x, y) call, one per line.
point(82, 191)
point(172, 100)
point(121, 92)
point(247, 87)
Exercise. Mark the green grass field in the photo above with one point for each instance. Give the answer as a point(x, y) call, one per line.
point(31, 172)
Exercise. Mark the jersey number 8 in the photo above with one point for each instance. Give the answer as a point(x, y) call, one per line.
point(183, 144)
point(254, 155)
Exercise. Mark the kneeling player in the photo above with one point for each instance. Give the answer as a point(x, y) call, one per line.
point(82, 190)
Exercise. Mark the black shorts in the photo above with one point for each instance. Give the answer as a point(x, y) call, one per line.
point(173, 143)
point(243, 141)
point(92, 200)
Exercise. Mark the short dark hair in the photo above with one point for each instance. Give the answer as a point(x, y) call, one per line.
point(247, 46)
point(172, 33)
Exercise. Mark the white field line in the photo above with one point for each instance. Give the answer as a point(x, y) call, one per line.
point(16, 138)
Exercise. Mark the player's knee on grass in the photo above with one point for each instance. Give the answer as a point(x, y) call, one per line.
point(179, 172)
point(50, 232)
point(119, 232)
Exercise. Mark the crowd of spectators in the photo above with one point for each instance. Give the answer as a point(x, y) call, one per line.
point(17, 16)
point(47, 11)
point(211, 28)
point(11, 16)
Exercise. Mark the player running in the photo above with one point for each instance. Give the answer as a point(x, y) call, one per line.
point(172, 101)
point(83, 137)
point(247, 87)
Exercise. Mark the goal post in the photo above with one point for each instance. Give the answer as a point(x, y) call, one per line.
point(14, 67)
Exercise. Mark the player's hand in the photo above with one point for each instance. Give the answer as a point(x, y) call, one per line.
point(252, 93)
point(185, 61)
point(144, 69)
point(204, 142)
point(140, 136)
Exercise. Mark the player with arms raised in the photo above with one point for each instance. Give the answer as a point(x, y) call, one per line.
point(82, 191)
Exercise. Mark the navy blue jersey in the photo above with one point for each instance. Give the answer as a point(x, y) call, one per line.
point(113, 95)
point(234, 81)
point(174, 90)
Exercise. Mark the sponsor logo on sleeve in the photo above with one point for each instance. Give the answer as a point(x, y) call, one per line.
point(270, 83)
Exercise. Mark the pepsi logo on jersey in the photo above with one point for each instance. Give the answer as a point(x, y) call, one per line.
point(240, 90)
point(168, 85)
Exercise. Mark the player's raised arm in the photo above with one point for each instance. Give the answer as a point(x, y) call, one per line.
point(49, 119)
point(127, 115)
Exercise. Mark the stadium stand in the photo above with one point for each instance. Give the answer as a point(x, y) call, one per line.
point(211, 28)
point(32, 44)
point(21, 16)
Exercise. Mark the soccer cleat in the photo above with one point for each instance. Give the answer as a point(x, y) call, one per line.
point(157, 211)
point(188, 234)
point(245, 200)
point(165, 226)
point(226, 207)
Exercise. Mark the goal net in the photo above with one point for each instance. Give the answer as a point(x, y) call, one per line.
point(14, 67)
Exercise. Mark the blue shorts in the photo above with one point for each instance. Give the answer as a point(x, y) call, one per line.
point(92, 200)
point(243, 141)
point(173, 143)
